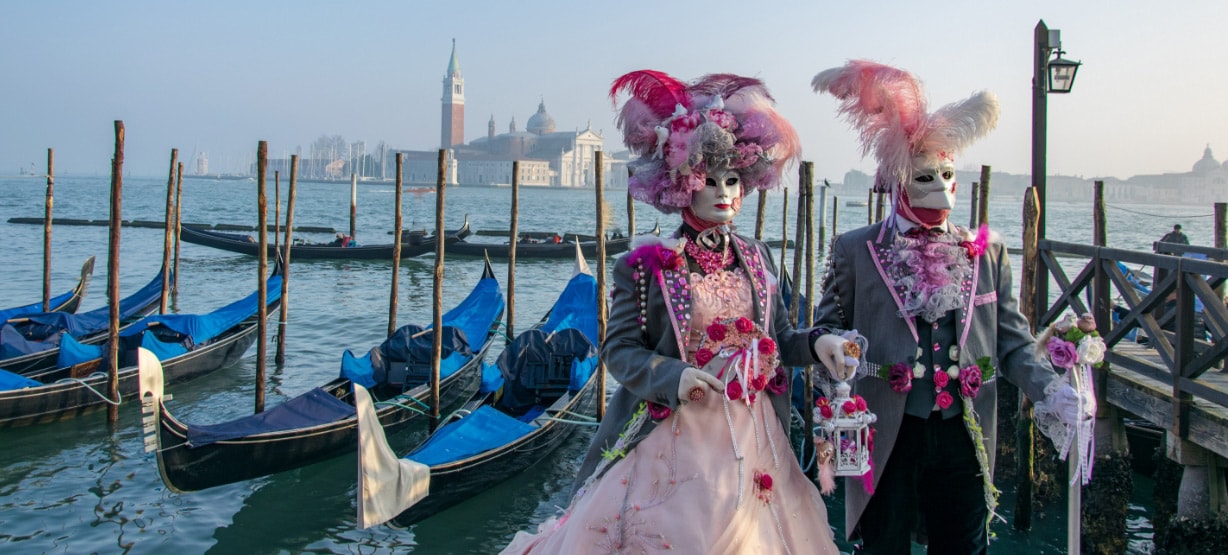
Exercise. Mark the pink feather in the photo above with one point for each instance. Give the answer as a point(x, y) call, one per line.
point(656, 89)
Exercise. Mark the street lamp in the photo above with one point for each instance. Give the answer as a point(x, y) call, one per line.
point(1062, 72)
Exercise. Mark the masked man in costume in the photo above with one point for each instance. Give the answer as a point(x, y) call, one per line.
point(935, 301)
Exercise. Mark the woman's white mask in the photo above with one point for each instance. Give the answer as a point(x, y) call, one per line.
point(932, 183)
point(718, 200)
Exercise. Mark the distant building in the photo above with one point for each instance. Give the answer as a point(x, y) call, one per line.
point(202, 164)
point(548, 157)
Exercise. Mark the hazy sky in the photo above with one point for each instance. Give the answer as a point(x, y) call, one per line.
point(218, 76)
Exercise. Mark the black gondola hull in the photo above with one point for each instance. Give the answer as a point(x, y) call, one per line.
point(186, 469)
point(237, 244)
point(454, 483)
point(65, 400)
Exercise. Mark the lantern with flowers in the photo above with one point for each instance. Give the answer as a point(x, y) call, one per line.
point(844, 423)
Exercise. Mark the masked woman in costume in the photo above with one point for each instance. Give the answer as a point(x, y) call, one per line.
point(693, 454)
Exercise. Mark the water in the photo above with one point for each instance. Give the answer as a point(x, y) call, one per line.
point(77, 487)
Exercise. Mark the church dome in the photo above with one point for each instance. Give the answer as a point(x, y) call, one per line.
point(1207, 163)
point(541, 122)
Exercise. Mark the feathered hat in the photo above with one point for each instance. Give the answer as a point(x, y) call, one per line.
point(887, 107)
point(682, 131)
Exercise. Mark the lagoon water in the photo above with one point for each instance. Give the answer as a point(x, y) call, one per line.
point(79, 487)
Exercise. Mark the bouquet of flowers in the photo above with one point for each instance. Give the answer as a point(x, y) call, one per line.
point(752, 362)
point(1073, 345)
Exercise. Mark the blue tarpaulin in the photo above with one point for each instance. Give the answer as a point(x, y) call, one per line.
point(9, 380)
point(16, 311)
point(310, 409)
point(485, 428)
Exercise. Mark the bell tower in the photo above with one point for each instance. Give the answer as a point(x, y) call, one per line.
point(452, 130)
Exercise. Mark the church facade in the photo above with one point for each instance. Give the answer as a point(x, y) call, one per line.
point(547, 157)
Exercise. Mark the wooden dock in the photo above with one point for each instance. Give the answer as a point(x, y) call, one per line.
point(161, 225)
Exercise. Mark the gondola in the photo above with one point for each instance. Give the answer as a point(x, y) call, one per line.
point(321, 423)
point(563, 250)
point(414, 245)
point(67, 302)
point(544, 387)
point(189, 345)
point(32, 342)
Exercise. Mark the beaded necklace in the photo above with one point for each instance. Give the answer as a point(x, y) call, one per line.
point(709, 261)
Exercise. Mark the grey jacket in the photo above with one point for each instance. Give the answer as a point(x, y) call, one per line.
point(859, 295)
point(647, 363)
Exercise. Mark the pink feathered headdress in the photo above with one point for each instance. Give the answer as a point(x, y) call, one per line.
point(679, 132)
point(887, 106)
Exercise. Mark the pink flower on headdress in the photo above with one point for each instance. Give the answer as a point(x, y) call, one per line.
point(724, 119)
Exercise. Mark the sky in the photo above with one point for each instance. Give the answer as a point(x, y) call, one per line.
point(219, 76)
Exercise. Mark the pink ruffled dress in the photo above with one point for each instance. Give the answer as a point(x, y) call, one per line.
point(715, 476)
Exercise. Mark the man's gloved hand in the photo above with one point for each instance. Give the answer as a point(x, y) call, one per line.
point(1067, 406)
point(834, 353)
point(695, 383)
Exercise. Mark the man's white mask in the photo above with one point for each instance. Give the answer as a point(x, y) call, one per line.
point(718, 201)
point(932, 183)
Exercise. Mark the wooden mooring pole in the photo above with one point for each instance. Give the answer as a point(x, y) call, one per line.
point(47, 230)
point(437, 295)
point(835, 216)
point(397, 224)
point(117, 197)
point(822, 217)
point(630, 215)
point(354, 207)
point(974, 209)
point(1025, 454)
point(178, 227)
point(760, 213)
point(799, 246)
point(983, 206)
point(602, 309)
point(276, 210)
point(283, 314)
point(169, 224)
point(784, 230)
point(513, 235)
point(262, 287)
point(808, 372)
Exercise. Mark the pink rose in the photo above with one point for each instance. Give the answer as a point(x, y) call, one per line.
point(849, 407)
point(716, 331)
point(703, 357)
point(944, 400)
point(860, 402)
point(1063, 353)
point(940, 379)
point(900, 378)
point(658, 411)
point(743, 325)
point(764, 480)
point(970, 381)
point(733, 390)
point(767, 346)
point(824, 407)
point(758, 382)
point(779, 383)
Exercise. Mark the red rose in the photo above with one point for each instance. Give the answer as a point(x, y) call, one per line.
point(944, 400)
point(716, 331)
point(900, 378)
point(826, 411)
point(767, 346)
point(658, 411)
point(744, 325)
point(759, 382)
point(703, 357)
point(779, 383)
point(849, 407)
point(734, 390)
point(765, 481)
point(861, 402)
point(941, 378)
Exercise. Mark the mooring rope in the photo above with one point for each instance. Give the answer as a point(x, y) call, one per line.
point(92, 390)
point(1158, 215)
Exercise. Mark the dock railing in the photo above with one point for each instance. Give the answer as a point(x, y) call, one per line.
point(1183, 343)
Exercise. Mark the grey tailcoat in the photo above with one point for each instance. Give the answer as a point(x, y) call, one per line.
point(858, 294)
point(647, 363)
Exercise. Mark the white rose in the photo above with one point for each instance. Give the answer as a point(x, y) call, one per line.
point(918, 371)
point(1091, 350)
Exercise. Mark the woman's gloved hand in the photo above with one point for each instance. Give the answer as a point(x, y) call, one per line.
point(695, 383)
point(839, 355)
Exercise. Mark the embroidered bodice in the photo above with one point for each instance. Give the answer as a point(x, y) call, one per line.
point(721, 294)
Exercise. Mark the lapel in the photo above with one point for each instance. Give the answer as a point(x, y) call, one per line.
point(969, 291)
point(883, 255)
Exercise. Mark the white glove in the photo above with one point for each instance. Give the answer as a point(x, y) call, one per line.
point(831, 350)
point(1066, 404)
point(695, 383)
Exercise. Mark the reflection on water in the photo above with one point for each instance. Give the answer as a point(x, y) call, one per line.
point(77, 487)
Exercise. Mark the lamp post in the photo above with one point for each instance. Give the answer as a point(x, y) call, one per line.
point(1048, 76)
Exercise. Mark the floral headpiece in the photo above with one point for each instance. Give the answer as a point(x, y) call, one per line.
point(888, 107)
point(680, 132)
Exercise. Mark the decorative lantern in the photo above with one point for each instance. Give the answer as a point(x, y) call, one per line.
point(845, 423)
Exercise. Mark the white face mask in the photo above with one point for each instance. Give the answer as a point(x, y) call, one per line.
point(716, 202)
point(932, 184)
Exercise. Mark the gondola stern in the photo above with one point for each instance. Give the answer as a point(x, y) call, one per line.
point(387, 485)
point(152, 384)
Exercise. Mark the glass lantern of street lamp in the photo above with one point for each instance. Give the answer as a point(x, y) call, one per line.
point(1062, 74)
